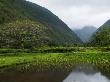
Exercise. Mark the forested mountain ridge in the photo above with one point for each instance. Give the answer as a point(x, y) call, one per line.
point(24, 24)
point(102, 36)
point(85, 33)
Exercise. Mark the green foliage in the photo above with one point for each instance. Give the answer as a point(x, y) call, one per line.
point(102, 36)
point(22, 34)
point(24, 61)
point(24, 25)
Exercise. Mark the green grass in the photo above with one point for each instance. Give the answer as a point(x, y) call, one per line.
point(33, 61)
point(55, 58)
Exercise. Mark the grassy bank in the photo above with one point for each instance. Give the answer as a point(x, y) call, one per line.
point(52, 59)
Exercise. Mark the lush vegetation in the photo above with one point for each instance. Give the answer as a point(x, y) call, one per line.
point(25, 34)
point(102, 35)
point(31, 39)
point(23, 22)
point(45, 59)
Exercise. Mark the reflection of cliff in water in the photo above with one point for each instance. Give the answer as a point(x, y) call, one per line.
point(82, 77)
point(80, 73)
point(85, 73)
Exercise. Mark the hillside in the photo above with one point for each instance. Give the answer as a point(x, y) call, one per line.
point(102, 35)
point(24, 24)
point(85, 33)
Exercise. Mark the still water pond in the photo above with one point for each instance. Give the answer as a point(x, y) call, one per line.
point(33, 77)
point(79, 74)
point(83, 77)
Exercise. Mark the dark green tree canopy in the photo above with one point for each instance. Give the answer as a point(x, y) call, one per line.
point(24, 24)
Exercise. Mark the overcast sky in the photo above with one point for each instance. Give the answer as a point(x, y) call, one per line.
point(79, 13)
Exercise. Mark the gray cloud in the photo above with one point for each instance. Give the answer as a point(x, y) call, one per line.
point(80, 2)
point(78, 13)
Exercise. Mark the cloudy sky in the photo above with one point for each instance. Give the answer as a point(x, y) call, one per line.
point(79, 13)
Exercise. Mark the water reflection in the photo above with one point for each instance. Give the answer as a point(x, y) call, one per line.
point(86, 73)
point(81, 73)
point(33, 77)
point(83, 77)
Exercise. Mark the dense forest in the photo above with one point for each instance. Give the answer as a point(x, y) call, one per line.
point(102, 36)
point(23, 22)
